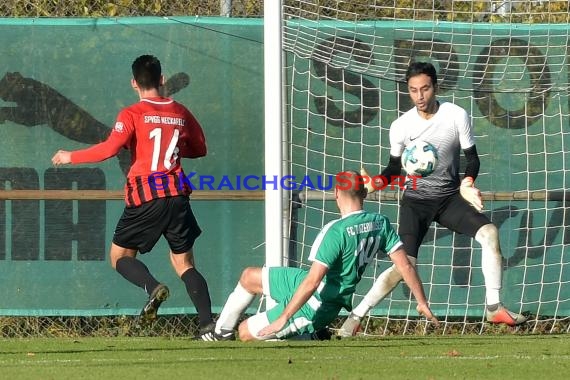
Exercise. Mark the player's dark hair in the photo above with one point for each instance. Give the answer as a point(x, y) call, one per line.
point(418, 68)
point(351, 183)
point(147, 71)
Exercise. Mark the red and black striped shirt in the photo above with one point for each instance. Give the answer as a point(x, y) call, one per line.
point(158, 131)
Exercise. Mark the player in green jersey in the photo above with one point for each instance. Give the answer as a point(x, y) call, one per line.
point(308, 301)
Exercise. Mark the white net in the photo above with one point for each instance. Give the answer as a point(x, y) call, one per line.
point(507, 64)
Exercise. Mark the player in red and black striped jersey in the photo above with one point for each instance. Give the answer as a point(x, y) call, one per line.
point(158, 131)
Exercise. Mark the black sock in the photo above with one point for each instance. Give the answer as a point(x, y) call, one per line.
point(197, 289)
point(137, 273)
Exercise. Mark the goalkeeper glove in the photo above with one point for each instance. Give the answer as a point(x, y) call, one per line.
point(371, 187)
point(470, 193)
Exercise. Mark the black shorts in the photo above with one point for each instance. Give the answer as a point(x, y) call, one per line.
point(140, 227)
point(453, 212)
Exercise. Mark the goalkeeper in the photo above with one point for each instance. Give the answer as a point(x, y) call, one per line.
point(442, 197)
point(308, 300)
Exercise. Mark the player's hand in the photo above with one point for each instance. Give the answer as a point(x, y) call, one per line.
point(426, 312)
point(62, 157)
point(471, 194)
point(373, 183)
point(272, 328)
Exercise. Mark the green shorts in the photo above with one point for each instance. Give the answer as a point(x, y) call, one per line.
point(314, 315)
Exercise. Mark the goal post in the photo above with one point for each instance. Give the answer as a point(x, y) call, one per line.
point(343, 67)
point(276, 205)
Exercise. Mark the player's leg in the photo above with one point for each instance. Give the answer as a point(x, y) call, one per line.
point(253, 281)
point(491, 261)
point(124, 261)
point(249, 285)
point(249, 328)
point(415, 219)
point(492, 267)
point(136, 229)
point(461, 217)
point(181, 232)
point(196, 287)
point(280, 284)
point(136, 272)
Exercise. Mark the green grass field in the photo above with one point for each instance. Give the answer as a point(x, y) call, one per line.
point(430, 357)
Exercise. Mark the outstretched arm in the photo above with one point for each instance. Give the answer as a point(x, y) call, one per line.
point(95, 153)
point(410, 276)
point(393, 169)
point(301, 296)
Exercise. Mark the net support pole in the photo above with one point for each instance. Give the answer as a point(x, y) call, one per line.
point(272, 55)
point(226, 8)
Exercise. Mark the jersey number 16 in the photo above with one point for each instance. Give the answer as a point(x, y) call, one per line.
point(171, 154)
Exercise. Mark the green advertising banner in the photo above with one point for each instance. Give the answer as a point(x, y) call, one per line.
point(62, 82)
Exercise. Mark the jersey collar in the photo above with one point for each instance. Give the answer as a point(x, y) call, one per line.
point(352, 213)
point(157, 100)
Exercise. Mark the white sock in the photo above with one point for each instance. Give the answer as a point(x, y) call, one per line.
point(383, 285)
point(491, 262)
point(236, 304)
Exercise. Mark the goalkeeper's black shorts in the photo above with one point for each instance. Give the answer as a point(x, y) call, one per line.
point(453, 212)
point(140, 227)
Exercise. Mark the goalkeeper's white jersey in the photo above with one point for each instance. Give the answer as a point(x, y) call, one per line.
point(449, 131)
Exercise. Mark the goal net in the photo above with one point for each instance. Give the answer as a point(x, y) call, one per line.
point(507, 63)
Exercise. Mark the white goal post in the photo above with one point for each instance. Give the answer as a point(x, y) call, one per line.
point(274, 202)
point(341, 84)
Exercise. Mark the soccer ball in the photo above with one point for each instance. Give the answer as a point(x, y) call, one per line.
point(419, 158)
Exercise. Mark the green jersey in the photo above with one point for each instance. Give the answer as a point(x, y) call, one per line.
point(346, 246)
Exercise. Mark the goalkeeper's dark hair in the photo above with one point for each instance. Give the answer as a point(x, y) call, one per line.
point(147, 72)
point(351, 183)
point(418, 68)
